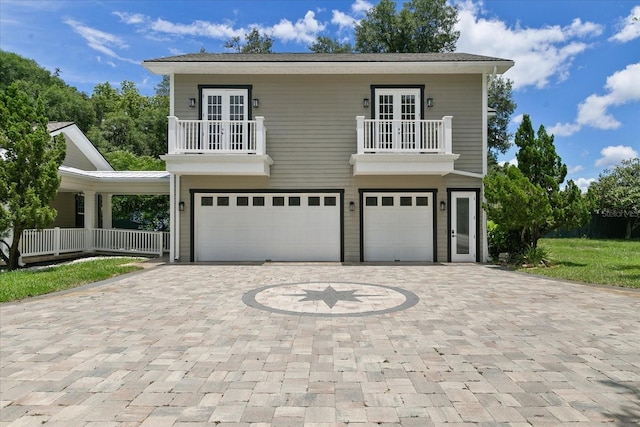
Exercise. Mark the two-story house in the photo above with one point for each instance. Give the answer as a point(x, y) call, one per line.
point(328, 157)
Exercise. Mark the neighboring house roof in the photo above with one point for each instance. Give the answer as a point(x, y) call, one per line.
point(330, 63)
point(81, 153)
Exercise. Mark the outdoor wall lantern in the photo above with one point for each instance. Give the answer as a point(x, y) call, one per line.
point(352, 206)
point(192, 102)
point(443, 205)
point(429, 102)
point(365, 102)
point(181, 206)
point(255, 102)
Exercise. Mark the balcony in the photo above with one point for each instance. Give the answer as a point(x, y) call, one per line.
point(217, 147)
point(403, 147)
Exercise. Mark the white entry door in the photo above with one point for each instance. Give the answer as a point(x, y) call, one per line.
point(226, 113)
point(397, 226)
point(397, 113)
point(463, 226)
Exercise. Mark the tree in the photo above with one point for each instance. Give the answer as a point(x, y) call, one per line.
point(501, 100)
point(617, 193)
point(420, 26)
point(324, 44)
point(543, 207)
point(254, 43)
point(29, 168)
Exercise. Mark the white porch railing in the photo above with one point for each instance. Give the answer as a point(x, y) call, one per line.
point(404, 136)
point(217, 136)
point(56, 241)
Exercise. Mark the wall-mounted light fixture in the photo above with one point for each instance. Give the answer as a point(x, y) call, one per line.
point(352, 206)
point(365, 102)
point(429, 102)
point(443, 205)
point(192, 103)
point(255, 102)
point(181, 206)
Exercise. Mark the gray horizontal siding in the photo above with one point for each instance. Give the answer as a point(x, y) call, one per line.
point(311, 135)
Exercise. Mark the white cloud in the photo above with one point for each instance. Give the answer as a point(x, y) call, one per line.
point(100, 41)
point(196, 28)
point(304, 30)
point(175, 51)
point(512, 162)
point(564, 129)
point(622, 88)
point(342, 20)
point(516, 120)
point(540, 54)
point(575, 169)
point(360, 7)
point(131, 18)
point(584, 183)
point(613, 155)
point(629, 27)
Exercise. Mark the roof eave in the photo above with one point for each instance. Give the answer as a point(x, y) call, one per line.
point(284, 68)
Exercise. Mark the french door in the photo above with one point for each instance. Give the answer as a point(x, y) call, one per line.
point(463, 226)
point(398, 112)
point(226, 114)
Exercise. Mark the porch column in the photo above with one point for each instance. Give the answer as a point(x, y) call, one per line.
point(448, 134)
point(360, 134)
point(107, 220)
point(89, 217)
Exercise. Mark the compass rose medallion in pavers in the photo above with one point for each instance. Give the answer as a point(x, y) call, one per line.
point(330, 299)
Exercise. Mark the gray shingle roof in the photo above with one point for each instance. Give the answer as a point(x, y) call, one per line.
point(327, 57)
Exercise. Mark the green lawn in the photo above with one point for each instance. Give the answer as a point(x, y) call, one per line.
point(605, 262)
point(19, 284)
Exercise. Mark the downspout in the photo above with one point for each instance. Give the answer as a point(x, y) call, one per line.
point(486, 82)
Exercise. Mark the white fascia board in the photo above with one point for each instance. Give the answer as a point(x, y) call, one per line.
point(218, 164)
point(293, 68)
point(78, 138)
point(77, 180)
point(403, 164)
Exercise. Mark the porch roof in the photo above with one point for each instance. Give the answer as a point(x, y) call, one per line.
point(114, 182)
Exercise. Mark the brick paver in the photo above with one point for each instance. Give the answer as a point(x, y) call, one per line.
point(177, 346)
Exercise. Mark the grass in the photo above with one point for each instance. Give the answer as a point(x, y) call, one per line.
point(604, 262)
point(19, 284)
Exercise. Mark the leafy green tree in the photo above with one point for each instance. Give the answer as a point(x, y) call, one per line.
point(28, 170)
point(324, 44)
point(62, 102)
point(254, 43)
point(501, 100)
point(420, 26)
point(616, 193)
point(543, 207)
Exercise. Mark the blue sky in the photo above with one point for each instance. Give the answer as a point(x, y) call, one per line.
point(577, 66)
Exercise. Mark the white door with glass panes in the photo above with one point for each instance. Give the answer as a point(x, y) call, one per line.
point(226, 127)
point(463, 226)
point(397, 117)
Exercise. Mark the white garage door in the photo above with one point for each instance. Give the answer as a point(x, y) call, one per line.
point(267, 226)
point(398, 226)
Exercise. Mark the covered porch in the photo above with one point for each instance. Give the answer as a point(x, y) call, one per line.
point(85, 223)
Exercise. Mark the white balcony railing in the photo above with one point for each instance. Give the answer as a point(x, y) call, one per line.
point(403, 136)
point(217, 136)
point(56, 241)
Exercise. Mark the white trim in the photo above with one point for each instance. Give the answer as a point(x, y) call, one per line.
point(292, 68)
point(218, 164)
point(75, 136)
point(403, 164)
point(114, 182)
point(469, 174)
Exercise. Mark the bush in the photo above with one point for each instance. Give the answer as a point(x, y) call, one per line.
point(534, 257)
point(501, 240)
